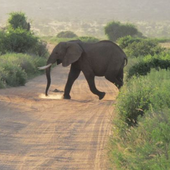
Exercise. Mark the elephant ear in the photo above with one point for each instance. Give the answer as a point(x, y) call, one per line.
point(73, 53)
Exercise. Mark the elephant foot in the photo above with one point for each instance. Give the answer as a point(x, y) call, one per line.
point(66, 97)
point(101, 95)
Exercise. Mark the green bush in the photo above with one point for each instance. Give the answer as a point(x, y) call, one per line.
point(145, 64)
point(20, 40)
point(17, 38)
point(2, 44)
point(88, 39)
point(124, 42)
point(146, 147)
point(147, 144)
point(18, 20)
point(115, 30)
point(135, 47)
point(2, 81)
point(141, 94)
point(143, 47)
point(40, 49)
point(140, 138)
point(13, 75)
point(66, 34)
point(15, 69)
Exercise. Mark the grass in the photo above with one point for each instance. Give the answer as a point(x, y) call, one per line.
point(55, 40)
point(146, 147)
point(141, 127)
point(16, 69)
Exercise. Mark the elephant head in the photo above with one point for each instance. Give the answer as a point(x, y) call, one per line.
point(65, 53)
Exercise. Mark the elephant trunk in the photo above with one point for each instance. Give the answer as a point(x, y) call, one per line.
point(48, 70)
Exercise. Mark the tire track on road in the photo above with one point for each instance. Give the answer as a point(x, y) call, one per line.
point(43, 133)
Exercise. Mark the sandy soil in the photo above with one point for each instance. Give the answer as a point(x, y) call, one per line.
point(43, 133)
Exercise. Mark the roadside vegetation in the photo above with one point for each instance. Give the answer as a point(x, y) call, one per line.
point(57, 39)
point(140, 134)
point(16, 68)
point(21, 52)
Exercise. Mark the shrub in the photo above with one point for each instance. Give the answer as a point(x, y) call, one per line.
point(144, 65)
point(143, 47)
point(2, 45)
point(15, 69)
point(18, 20)
point(140, 94)
point(141, 126)
point(66, 34)
point(40, 49)
point(115, 30)
point(17, 38)
point(20, 40)
point(88, 39)
point(2, 82)
point(145, 147)
point(124, 42)
point(13, 75)
point(135, 47)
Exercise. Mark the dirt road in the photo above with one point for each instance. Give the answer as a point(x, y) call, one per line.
point(51, 133)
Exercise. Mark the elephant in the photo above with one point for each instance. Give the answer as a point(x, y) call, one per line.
point(103, 58)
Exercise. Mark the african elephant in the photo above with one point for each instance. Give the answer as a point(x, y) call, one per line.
point(103, 58)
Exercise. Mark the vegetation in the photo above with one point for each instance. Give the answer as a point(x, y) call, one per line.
point(115, 30)
point(144, 65)
point(18, 20)
point(145, 146)
point(19, 39)
point(141, 130)
point(141, 93)
point(56, 40)
point(124, 42)
point(66, 34)
point(15, 41)
point(15, 68)
point(136, 47)
point(89, 39)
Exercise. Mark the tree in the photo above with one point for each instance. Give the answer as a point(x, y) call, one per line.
point(66, 34)
point(115, 30)
point(18, 38)
point(18, 20)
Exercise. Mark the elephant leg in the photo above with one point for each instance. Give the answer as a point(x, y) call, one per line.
point(120, 78)
point(117, 80)
point(73, 75)
point(92, 86)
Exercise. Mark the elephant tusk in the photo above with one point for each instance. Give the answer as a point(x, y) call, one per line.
point(44, 67)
